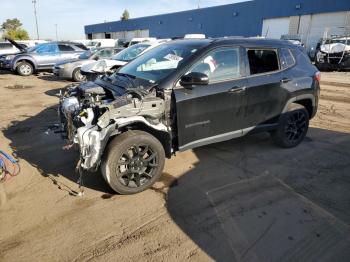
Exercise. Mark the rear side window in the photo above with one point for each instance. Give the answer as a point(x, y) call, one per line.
point(81, 46)
point(65, 48)
point(220, 65)
point(286, 58)
point(262, 61)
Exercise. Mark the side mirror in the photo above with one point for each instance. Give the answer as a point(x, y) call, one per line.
point(194, 78)
point(96, 58)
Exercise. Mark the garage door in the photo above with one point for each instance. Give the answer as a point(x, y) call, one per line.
point(275, 27)
point(328, 24)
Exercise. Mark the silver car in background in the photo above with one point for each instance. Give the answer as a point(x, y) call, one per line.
point(42, 57)
point(70, 69)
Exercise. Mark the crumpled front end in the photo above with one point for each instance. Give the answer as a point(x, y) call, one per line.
point(90, 115)
point(334, 56)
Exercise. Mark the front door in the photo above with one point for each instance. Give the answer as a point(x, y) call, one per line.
point(47, 55)
point(214, 112)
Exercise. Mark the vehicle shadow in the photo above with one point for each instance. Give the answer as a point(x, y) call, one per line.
point(248, 200)
point(5, 72)
point(53, 78)
point(35, 141)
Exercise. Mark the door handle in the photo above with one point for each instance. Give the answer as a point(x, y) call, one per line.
point(237, 89)
point(285, 80)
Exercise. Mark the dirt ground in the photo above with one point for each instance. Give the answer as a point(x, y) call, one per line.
point(242, 200)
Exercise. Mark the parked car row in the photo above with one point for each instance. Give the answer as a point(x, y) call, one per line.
point(73, 60)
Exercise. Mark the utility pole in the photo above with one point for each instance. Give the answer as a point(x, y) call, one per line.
point(199, 4)
point(56, 33)
point(36, 19)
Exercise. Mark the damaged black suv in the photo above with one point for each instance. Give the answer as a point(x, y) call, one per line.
point(185, 94)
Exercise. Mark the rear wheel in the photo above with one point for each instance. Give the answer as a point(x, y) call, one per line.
point(134, 161)
point(24, 68)
point(78, 76)
point(292, 128)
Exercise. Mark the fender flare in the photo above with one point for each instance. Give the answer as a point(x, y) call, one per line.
point(298, 98)
point(18, 59)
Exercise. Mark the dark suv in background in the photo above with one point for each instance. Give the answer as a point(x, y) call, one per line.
point(41, 57)
point(185, 94)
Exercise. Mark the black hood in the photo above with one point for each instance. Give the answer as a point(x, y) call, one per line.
point(21, 48)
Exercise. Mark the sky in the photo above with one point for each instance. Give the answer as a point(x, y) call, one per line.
point(71, 15)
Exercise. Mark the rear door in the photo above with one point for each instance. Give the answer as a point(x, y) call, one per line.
point(67, 52)
point(265, 94)
point(214, 112)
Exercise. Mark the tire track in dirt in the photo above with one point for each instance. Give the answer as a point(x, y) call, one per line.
point(114, 242)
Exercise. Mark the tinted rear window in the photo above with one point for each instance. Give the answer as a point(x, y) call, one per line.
point(262, 61)
point(65, 48)
point(81, 46)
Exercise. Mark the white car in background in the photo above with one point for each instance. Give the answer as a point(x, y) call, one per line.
point(194, 36)
point(101, 67)
point(138, 40)
point(99, 43)
point(10, 47)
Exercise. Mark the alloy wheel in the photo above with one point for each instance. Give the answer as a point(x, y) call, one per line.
point(296, 126)
point(137, 166)
point(25, 69)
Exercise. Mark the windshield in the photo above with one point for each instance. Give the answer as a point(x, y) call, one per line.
point(159, 62)
point(87, 54)
point(34, 48)
point(130, 53)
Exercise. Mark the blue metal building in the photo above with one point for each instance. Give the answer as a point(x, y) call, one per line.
point(249, 18)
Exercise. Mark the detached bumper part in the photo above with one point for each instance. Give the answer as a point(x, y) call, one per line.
point(92, 144)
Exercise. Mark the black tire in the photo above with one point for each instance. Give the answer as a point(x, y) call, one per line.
point(77, 76)
point(292, 127)
point(24, 68)
point(133, 161)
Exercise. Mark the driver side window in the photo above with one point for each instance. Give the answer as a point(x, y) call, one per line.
point(219, 65)
point(50, 48)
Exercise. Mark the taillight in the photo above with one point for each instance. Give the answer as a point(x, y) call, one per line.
point(317, 76)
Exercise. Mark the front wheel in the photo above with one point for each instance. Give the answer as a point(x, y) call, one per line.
point(24, 68)
point(78, 76)
point(134, 160)
point(292, 128)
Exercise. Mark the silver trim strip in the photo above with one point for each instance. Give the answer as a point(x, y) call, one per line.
point(216, 139)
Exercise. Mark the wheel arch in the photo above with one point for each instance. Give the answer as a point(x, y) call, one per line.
point(162, 135)
point(24, 59)
point(307, 100)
